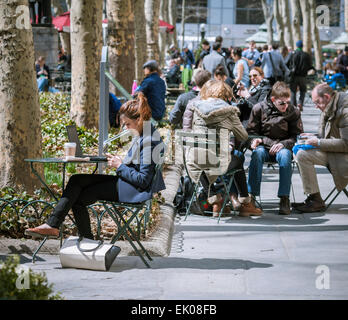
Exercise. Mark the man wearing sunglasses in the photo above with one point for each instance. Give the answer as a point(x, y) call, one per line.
point(278, 123)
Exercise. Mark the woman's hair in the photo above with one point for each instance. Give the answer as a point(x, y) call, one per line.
point(259, 70)
point(137, 108)
point(280, 90)
point(40, 58)
point(285, 51)
point(220, 71)
point(237, 52)
point(216, 89)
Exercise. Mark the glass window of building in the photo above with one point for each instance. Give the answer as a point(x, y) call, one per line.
point(196, 11)
point(249, 12)
point(228, 4)
point(335, 10)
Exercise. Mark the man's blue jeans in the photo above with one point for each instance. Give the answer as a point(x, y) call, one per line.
point(261, 155)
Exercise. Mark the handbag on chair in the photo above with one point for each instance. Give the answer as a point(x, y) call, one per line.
point(83, 253)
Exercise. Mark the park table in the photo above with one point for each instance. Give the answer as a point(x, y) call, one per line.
point(42, 180)
point(64, 163)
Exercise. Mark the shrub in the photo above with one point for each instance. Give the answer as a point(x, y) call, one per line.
point(17, 283)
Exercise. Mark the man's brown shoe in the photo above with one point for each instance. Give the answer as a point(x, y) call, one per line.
point(42, 232)
point(314, 203)
point(249, 209)
point(284, 206)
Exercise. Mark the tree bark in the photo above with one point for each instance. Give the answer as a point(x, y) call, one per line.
point(269, 16)
point(172, 15)
point(86, 43)
point(163, 15)
point(296, 21)
point(64, 37)
point(152, 16)
point(140, 38)
point(121, 42)
point(288, 38)
point(315, 36)
point(279, 21)
point(183, 13)
point(20, 127)
point(307, 40)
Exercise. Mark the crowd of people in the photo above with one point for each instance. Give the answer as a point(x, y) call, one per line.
point(254, 93)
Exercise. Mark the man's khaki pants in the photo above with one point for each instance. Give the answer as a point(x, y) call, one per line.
point(306, 160)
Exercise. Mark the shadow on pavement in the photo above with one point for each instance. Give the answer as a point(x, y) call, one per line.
point(124, 263)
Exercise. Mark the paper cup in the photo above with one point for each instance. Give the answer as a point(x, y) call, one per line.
point(70, 149)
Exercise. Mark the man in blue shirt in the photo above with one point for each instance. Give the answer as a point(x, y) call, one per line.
point(154, 89)
point(251, 54)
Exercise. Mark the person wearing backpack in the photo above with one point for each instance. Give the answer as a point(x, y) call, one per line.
point(299, 65)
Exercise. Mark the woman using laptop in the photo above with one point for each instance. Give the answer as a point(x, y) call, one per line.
point(132, 183)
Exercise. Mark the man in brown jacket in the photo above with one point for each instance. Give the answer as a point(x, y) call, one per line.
point(279, 123)
point(331, 147)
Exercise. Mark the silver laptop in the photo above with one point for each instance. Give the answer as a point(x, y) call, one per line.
point(73, 137)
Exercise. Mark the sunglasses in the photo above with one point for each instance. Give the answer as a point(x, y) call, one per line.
point(253, 75)
point(283, 103)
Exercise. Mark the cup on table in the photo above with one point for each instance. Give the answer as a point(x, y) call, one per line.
point(69, 149)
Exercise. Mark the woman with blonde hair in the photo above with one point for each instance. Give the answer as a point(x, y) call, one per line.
point(132, 183)
point(213, 112)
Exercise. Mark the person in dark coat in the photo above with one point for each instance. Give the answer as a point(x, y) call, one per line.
point(154, 89)
point(278, 123)
point(342, 63)
point(176, 115)
point(300, 63)
point(133, 182)
point(259, 90)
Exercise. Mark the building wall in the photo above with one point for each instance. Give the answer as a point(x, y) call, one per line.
point(221, 20)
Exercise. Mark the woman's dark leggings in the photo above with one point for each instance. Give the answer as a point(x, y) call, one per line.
point(239, 185)
point(83, 190)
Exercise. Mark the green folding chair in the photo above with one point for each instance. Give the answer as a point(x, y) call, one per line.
point(127, 216)
point(209, 140)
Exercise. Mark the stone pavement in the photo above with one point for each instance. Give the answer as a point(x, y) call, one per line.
point(301, 256)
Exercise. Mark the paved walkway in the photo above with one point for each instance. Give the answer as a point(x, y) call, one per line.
point(269, 257)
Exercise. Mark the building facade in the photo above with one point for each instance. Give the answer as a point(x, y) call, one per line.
point(237, 20)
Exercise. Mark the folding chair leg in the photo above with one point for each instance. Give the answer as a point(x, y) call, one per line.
point(38, 249)
point(190, 204)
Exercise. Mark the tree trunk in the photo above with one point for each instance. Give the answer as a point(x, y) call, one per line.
point(64, 37)
point(315, 36)
point(152, 16)
point(269, 16)
point(288, 38)
point(172, 15)
point(163, 14)
point(296, 21)
point(140, 39)
point(121, 42)
point(279, 22)
point(86, 43)
point(20, 127)
point(307, 40)
point(183, 24)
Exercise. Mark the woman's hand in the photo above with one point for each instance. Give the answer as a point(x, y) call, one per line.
point(114, 161)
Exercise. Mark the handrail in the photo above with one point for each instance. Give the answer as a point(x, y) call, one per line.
point(118, 85)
